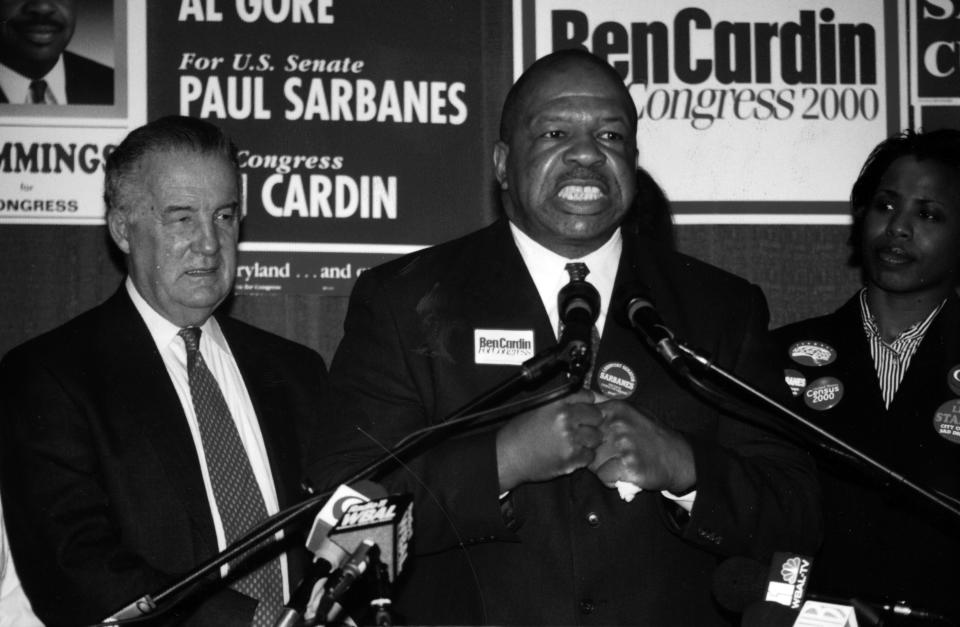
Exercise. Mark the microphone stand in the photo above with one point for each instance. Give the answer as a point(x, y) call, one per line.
point(571, 356)
point(845, 448)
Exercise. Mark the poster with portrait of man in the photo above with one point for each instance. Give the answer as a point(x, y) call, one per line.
point(72, 84)
point(59, 53)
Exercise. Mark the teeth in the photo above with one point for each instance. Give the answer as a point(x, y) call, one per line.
point(580, 193)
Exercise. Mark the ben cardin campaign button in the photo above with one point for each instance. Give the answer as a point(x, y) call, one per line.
point(616, 380)
point(823, 393)
point(502, 347)
point(811, 353)
point(946, 421)
point(795, 380)
point(953, 379)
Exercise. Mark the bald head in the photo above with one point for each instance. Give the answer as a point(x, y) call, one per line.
point(566, 161)
point(557, 65)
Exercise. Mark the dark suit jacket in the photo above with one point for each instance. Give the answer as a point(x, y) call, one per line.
point(88, 82)
point(881, 541)
point(570, 551)
point(102, 487)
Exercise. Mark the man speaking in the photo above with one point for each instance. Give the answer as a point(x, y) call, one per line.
point(519, 523)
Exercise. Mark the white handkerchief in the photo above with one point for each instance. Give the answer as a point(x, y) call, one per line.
point(627, 490)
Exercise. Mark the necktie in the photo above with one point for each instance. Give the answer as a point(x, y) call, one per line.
point(578, 271)
point(235, 489)
point(38, 92)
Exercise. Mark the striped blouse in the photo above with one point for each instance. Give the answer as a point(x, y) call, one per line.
point(891, 360)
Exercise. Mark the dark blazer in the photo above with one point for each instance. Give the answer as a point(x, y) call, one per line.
point(881, 541)
point(88, 82)
point(569, 550)
point(103, 494)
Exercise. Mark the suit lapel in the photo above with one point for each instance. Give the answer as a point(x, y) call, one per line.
point(620, 344)
point(496, 292)
point(511, 289)
point(935, 357)
point(638, 264)
point(267, 393)
point(854, 350)
point(142, 388)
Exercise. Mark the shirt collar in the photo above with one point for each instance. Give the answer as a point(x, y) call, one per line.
point(165, 332)
point(547, 269)
point(17, 86)
point(916, 330)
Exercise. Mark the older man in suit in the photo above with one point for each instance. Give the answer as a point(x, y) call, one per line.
point(143, 436)
point(519, 523)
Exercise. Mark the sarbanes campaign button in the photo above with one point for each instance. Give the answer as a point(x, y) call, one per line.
point(616, 380)
point(794, 380)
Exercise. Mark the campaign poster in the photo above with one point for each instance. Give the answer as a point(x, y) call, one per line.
point(749, 111)
point(358, 124)
point(935, 63)
point(64, 108)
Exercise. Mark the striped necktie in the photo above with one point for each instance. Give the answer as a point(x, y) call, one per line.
point(235, 489)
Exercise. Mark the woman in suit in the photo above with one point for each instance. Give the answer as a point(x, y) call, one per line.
point(883, 374)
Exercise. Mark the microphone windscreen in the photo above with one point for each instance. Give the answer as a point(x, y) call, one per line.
point(623, 296)
point(739, 582)
point(343, 498)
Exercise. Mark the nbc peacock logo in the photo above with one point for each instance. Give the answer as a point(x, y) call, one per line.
point(790, 570)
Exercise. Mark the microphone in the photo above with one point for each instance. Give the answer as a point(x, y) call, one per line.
point(578, 304)
point(381, 601)
point(293, 611)
point(643, 317)
point(344, 498)
point(740, 581)
point(327, 555)
point(766, 597)
point(375, 533)
point(778, 596)
point(387, 522)
point(337, 586)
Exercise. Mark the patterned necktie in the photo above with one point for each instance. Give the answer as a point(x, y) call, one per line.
point(38, 92)
point(578, 271)
point(235, 489)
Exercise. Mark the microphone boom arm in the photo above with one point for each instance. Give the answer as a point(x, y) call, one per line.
point(849, 450)
point(547, 363)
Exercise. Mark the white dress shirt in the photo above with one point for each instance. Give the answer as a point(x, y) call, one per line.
point(216, 353)
point(17, 86)
point(549, 275)
point(547, 270)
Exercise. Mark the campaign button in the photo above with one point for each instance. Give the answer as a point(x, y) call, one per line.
point(946, 421)
point(504, 347)
point(823, 393)
point(616, 380)
point(795, 380)
point(953, 379)
point(812, 353)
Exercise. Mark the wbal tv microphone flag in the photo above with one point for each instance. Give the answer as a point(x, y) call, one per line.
point(788, 578)
point(388, 522)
